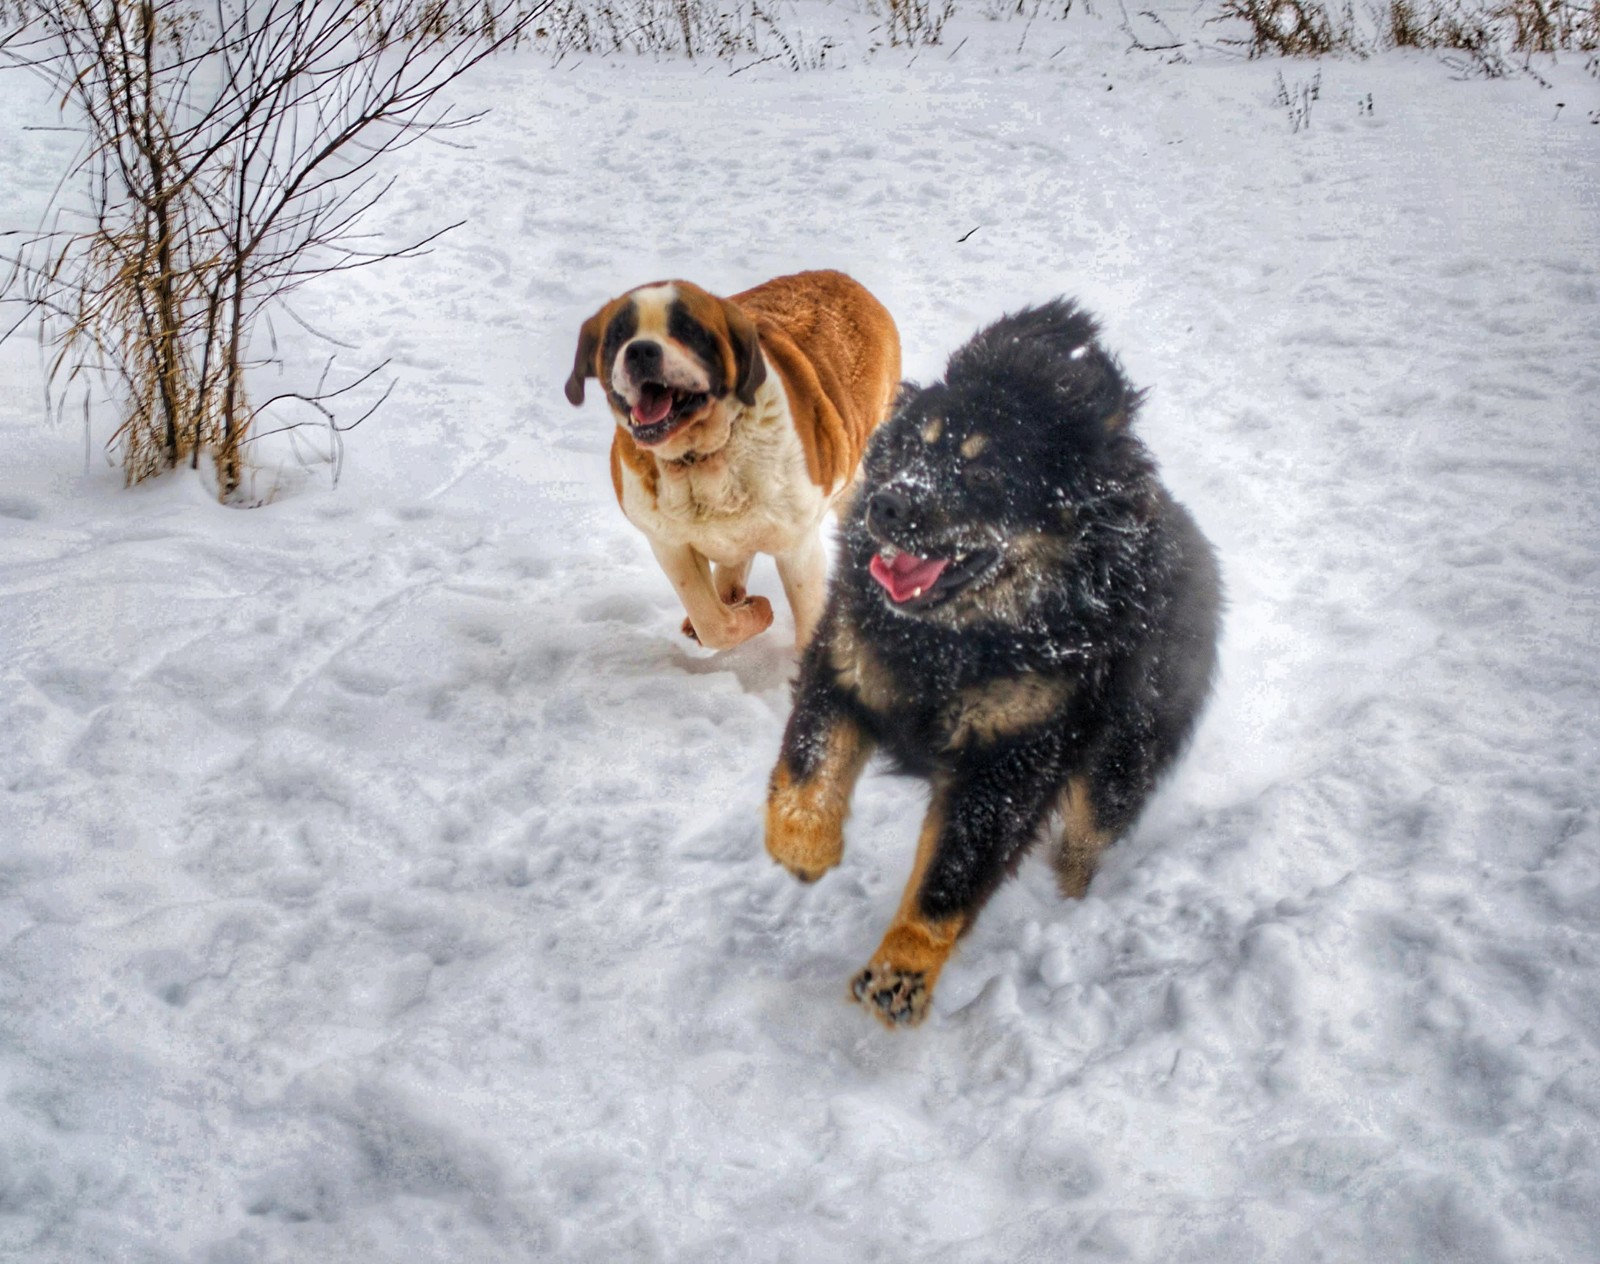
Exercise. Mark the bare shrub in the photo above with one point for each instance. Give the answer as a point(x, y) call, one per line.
point(616, 26)
point(746, 31)
point(915, 23)
point(231, 155)
point(684, 28)
point(793, 50)
point(1485, 31)
point(1290, 28)
point(1485, 35)
point(668, 26)
point(404, 21)
point(1548, 26)
point(1031, 10)
point(1406, 26)
point(1535, 24)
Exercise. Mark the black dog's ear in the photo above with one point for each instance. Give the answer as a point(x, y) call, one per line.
point(1119, 417)
point(583, 362)
point(1095, 391)
point(904, 394)
point(749, 365)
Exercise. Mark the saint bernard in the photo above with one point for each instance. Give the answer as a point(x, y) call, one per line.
point(740, 421)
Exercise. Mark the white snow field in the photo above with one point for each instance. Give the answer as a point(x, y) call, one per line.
point(381, 874)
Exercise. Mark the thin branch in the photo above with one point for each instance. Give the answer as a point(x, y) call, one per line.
point(232, 153)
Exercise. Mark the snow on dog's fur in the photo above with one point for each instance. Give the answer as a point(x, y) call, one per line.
point(1021, 614)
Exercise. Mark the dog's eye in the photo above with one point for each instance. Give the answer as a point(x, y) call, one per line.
point(984, 479)
point(879, 463)
point(891, 449)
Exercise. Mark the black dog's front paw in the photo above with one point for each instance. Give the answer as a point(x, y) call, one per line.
point(897, 998)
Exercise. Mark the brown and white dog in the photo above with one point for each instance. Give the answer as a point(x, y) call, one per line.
point(739, 422)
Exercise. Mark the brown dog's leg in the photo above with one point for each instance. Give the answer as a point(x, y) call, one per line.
point(804, 572)
point(713, 624)
point(730, 581)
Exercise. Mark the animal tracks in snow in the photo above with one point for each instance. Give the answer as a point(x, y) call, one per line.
point(381, 873)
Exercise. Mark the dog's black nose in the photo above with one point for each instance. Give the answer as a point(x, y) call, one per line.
point(889, 508)
point(642, 360)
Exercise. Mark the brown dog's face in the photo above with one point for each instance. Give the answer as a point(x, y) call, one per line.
point(668, 355)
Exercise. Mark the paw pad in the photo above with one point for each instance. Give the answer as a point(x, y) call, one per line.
point(897, 997)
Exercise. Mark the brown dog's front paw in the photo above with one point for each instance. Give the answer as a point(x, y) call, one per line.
point(897, 998)
point(754, 614)
point(739, 622)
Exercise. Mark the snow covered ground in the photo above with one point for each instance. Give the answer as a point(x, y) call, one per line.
point(380, 870)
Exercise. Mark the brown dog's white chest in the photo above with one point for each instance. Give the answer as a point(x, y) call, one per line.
point(753, 495)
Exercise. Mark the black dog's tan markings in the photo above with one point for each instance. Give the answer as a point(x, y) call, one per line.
point(982, 714)
point(897, 983)
point(1038, 641)
point(805, 817)
point(1082, 839)
point(860, 673)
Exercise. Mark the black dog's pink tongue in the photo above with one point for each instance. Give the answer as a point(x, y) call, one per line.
point(906, 576)
point(655, 402)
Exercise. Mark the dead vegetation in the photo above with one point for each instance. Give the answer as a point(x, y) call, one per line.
point(231, 155)
point(233, 149)
point(1489, 33)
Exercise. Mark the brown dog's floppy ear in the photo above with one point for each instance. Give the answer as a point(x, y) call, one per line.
point(583, 362)
point(749, 365)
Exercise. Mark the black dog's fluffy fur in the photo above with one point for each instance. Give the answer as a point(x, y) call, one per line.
point(1020, 613)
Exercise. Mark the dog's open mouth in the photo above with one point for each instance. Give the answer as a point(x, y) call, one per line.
point(915, 583)
point(662, 409)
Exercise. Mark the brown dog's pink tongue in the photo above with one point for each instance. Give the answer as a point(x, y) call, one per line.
point(906, 576)
point(655, 402)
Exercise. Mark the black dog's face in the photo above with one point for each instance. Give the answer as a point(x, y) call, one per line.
point(973, 489)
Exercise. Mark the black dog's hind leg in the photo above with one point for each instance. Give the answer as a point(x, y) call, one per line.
point(979, 825)
point(1083, 838)
point(808, 797)
point(1101, 804)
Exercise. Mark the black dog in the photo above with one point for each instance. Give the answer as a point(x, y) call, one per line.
point(1021, 614)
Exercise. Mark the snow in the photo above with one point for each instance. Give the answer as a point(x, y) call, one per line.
point(380, 870)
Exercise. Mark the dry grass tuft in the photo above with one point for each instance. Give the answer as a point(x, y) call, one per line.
point(916, 23)
point(1488, 32)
